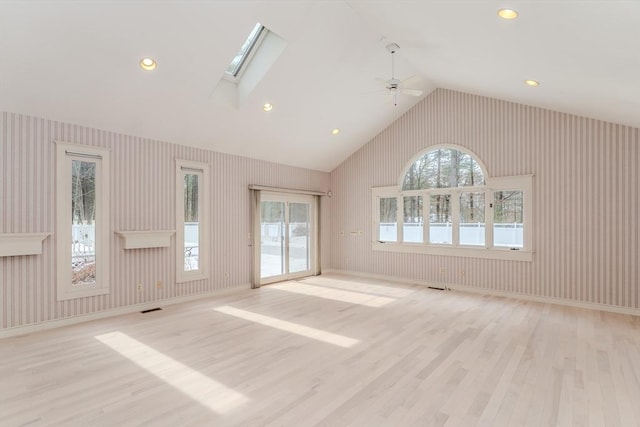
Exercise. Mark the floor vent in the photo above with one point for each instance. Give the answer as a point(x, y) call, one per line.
point(150, 310)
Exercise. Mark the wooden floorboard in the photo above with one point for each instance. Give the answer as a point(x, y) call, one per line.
point(331, 351)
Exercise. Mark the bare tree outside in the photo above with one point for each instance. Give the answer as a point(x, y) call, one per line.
point(83, 222)
point(451, 177)
point(388, 219)
point(191, 222)
point(443, 168)
point(191, 198)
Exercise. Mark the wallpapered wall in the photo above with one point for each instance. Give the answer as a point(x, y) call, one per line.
point(142, 198)
point(586, 195)
point(586, 213)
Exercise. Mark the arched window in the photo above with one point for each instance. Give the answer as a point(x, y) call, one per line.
point(443, 168)
point(445, 203)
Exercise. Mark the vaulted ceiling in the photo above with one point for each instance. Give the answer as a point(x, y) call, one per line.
point(77, 61)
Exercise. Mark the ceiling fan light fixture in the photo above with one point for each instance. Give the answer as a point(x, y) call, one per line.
point(532, 83)
point(507, 14)
point(393, 47)
point(335, 131)
point(148, 64)
point(267, 107)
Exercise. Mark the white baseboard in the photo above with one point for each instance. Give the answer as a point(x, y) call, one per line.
point(484, 291)
point(58, 323)
point(51, 324)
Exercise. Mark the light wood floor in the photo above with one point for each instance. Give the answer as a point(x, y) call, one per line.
point(330, 351)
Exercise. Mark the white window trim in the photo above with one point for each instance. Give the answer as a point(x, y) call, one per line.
point(183, 166)
point(522, 183)
point(65, 153)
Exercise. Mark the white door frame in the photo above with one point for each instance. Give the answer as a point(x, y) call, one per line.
point(287, 198)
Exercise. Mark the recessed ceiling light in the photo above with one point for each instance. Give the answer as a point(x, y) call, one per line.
point(531, 82)
point(148, 64)
point(335, 131)
point(507, 14)
point(267, 107)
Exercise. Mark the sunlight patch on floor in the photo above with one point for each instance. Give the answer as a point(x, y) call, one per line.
point(350, 285)
point(333, 294)
point(295, 328)
point(211, 394)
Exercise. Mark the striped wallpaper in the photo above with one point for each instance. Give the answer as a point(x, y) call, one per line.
point(586, 194)
point(142, 198)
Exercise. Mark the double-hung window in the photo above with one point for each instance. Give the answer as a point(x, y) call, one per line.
point(82, 229)
point(192, 216)
point(447, 205)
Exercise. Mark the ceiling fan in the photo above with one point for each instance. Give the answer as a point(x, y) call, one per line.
point(395, 86)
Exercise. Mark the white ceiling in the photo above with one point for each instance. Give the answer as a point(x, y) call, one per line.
point(77, 61)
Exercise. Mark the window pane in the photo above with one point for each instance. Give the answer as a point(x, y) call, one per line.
point(191, 224)
point(299, 237)
point(507, 219)
point(472, 219)
point(388, 219)
point(440, 219)
point(443, 168)
point(83, 222)
point(272, 243)
point(468, 171)
point(413, 220)
point(237, 62)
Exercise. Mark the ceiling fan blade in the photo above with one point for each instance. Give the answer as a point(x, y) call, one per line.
point(382, 81)
point(412, 81)
point(412, 92)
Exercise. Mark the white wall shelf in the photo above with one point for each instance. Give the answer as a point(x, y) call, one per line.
point(146, 239)
point(18, 244)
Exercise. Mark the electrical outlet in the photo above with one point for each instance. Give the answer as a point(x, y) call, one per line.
point(443, 270)
point(159, 284)
point(139, 287)
point(461, 273)
point(226, 274)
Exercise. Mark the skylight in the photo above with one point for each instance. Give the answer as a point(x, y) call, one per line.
point(249, 46)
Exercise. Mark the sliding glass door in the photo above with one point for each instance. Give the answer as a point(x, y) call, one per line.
point(272, 239)
point(299, 237)
point(287, 236)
